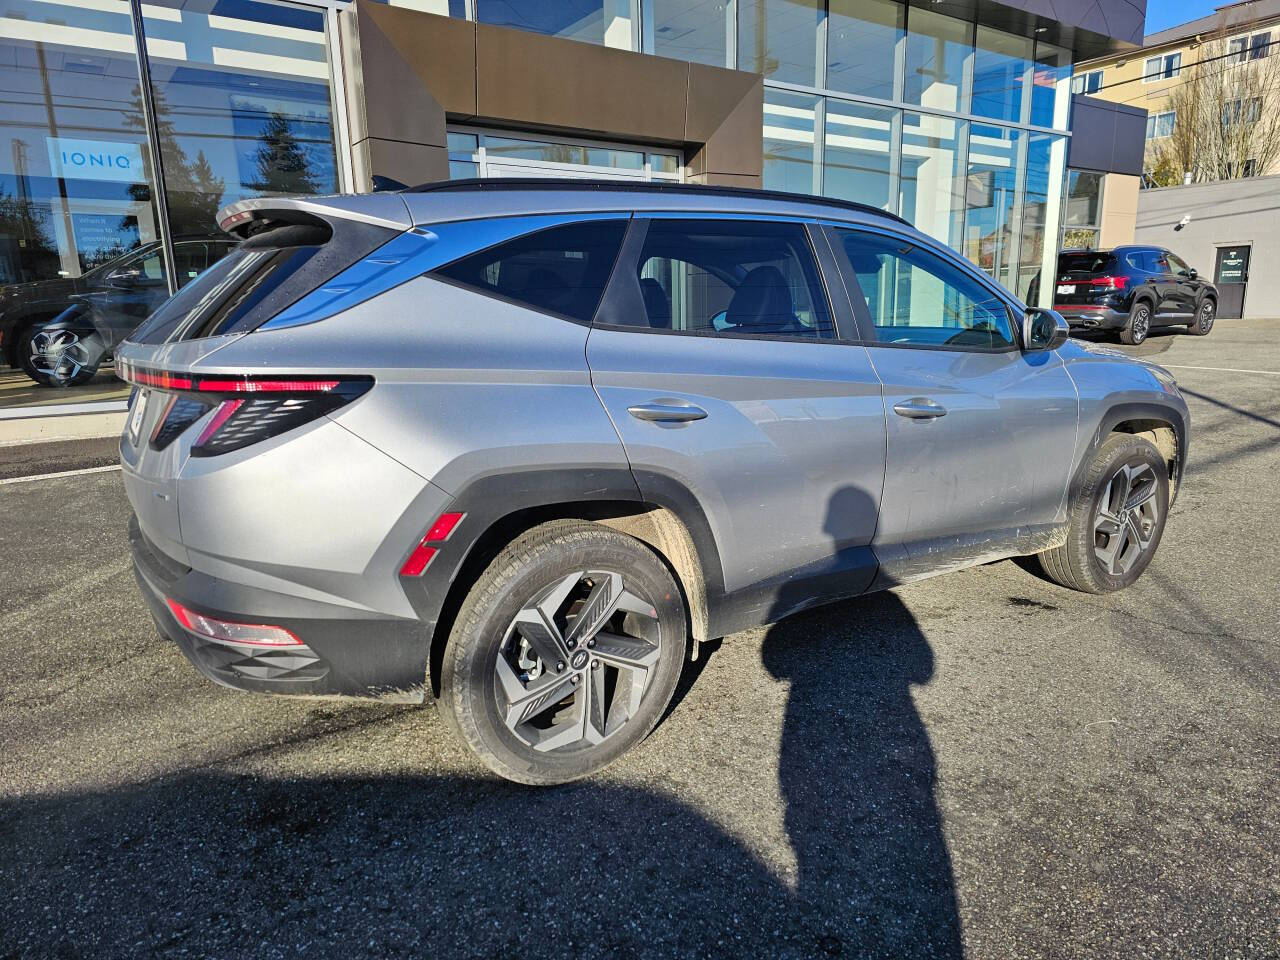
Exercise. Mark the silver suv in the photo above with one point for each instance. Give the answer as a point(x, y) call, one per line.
point(515, 446)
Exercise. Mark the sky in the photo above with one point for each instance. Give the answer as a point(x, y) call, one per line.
point(1162, 14)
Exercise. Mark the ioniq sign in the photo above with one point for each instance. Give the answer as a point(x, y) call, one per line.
point(76, 159)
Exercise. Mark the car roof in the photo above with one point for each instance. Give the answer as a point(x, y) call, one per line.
point(453, 199)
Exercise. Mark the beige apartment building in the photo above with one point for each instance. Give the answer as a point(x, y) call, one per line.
point(1234, 131)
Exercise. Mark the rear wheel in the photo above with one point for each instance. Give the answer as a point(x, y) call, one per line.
point(1205, 315)
point(1117, 518)
point(1139, 325)
point(565, 653)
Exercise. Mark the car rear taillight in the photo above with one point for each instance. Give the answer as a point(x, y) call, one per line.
point(424, 552)
point(247, 409)
point(229, 631)
point(1112, 283)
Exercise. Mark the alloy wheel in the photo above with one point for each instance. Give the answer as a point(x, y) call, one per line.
point(576, 662)
point(59, 355)
point(1206, 318)
point(1141, 325)
point(1127, 518)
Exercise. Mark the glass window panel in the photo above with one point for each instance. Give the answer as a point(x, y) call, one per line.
point(664, 163)
point(1000, 67)
point(990, 193)
point(1041, 213)
point(862, 45)
point(915, 297)
point(74, 168)
point(857, 161)
point(732, 277)
point(1084, 198)
point(446, 8)
point(243, 105)
point(938, 49)
point(789, 120)
point(931, 184)
point(696, 30)
point(604, 22)
point(1051, 87)
point(463, 142)
point(561, 270)
point(463, 169)
point(501, 148)
point(779, 38)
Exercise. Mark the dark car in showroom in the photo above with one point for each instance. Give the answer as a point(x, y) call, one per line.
point(1132, 290)
point(60, 330)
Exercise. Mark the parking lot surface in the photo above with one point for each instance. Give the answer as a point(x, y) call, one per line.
point(980, 765)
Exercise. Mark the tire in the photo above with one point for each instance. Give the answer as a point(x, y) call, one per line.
point(521, 713)
point(78, 355)
point(1139, 325)
point(1079, 563)
point(1206, 313)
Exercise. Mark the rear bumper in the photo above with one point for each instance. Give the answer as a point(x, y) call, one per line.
point(1092, 316)
point(375, 656)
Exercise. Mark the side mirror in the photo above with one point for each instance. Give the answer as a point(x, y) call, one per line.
point(125, 276)
point(1043, 330)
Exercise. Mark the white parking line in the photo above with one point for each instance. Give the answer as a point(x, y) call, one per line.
point(64, 473)
point(1184, 366)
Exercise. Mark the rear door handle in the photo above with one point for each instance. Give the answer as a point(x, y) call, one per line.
point(920, 408)
point(667, 411)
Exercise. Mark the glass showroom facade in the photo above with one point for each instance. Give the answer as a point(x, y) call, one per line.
point(960, 129)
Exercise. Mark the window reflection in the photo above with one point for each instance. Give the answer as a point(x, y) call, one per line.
point(606, 22)
point(242, 105)
point(990, 199)
point(938, 48)
point(862, 46)
point(930, 196)
point(1000, 68)
point(789, 120)
point(778, 38)
point(858, 162)
point(696, 31)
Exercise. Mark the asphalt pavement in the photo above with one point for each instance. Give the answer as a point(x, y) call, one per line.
point(981, 765)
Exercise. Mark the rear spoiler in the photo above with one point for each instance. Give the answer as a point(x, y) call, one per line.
point(247, 217)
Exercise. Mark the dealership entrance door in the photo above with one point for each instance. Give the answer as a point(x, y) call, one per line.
point(1231, 276)
point(484, 154)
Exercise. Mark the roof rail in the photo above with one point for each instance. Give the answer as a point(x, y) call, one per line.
point(621, 186)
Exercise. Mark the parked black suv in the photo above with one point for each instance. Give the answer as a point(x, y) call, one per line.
point(60, 330)
point(1132, 289)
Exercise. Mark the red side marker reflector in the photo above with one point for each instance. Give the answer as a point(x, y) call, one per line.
point(228, 631)
point(423, 554)
point(418, 561)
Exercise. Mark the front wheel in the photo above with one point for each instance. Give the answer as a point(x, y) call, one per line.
point(564, 654)
point(1117, 518)
point(1205, 316)
point(58, 356)
point(1139, 325)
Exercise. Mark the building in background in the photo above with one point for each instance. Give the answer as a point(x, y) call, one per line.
point(955, 114)
point(1211, 89)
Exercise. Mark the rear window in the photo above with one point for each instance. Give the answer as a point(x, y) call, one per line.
point(561, 270)
point(1089, 262)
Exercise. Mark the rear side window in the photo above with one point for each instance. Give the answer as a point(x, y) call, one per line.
point(731, 277)
point(916, 298)
point(561, 270)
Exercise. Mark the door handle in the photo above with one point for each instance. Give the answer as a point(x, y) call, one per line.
point(667, 411)
point(920, 408)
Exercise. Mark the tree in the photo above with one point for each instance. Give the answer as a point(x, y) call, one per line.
point(283, 164)
point(1227, 118)
point(193, 189)
point(27, 224)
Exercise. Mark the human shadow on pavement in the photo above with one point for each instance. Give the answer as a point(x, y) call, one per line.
point(229, 865)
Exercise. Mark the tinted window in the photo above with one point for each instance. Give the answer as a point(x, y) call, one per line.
point(1178, 265)
point(1155, 262)
point(189, 259)
point(731, 277)
point(1091, 262)
point(917, 298)
point(561, 270)
point(1136, 261)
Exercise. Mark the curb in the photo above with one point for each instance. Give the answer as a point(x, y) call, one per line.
point(73, 421)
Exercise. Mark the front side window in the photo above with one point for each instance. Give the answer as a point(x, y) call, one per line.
point(916, 298)
point(733, 278)
point(560, 270)
point(1179, 265)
